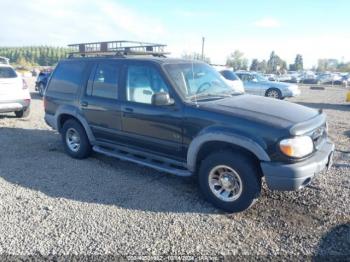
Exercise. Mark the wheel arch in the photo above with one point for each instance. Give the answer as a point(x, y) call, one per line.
point(63, 114)
point(209, 142)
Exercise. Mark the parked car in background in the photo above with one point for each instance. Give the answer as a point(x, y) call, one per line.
point(4, 60)
point(270, 77)
point(232, 79)
point(338, 80)
point(14, 92)
point(41, 81)
point(315, 79)
point(290, 78)
point(256, 84)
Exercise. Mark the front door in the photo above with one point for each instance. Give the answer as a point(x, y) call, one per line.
point(147, 126)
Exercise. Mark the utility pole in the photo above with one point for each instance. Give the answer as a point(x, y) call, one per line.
point(203, 40)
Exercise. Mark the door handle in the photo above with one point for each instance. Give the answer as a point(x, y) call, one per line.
point(129, 109)
point(84, 103)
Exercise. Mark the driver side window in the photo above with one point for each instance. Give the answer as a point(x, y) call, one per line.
point(142, 83)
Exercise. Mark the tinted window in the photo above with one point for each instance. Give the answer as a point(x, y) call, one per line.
point(229, 75)
point(67, 77)
point(7, 72)
point(106, 81)
point(142, 83)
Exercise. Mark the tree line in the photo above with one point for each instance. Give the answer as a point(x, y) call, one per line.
point(34, 55)
point(49, 56)
point(275, 64)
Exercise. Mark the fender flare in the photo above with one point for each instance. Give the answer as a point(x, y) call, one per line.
point(230, 138)
point(70, 110)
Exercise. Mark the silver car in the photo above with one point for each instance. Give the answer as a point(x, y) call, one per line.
point(257, 84)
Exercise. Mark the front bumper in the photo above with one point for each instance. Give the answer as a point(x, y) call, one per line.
point(292, 92)
point(297, 175)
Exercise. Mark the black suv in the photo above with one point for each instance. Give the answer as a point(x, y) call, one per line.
point(180, 117)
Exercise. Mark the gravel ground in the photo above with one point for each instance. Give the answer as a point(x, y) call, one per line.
point(51, 204)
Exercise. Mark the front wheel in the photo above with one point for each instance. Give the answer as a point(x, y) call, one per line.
point(274, 93)
point(230, 181)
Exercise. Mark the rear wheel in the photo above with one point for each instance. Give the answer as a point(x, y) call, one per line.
point(75, 140)
point(230, 181)
point(274, 93)
point(23, 113)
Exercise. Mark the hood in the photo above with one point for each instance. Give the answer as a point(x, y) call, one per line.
point(266, 110)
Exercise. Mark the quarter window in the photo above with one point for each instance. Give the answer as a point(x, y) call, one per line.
point(142, 83)
point(67, 77)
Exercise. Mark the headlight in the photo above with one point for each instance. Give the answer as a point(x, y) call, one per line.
point(298, 146)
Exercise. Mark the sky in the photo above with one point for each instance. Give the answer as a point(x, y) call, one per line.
point(313, 28)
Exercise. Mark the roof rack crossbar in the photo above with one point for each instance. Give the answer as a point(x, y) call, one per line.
point(121, 48)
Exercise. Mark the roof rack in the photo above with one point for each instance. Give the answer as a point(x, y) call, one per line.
point(117, 48)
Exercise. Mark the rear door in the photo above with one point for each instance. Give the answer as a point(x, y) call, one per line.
point(147, 126)
point(100, 102)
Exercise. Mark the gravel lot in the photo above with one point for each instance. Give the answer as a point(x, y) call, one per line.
point(51, 204)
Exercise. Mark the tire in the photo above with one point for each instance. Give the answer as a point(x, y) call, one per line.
point(73, 134)
point(273, 93)
point(243, 167)
point(41, 89)
point(23, 113)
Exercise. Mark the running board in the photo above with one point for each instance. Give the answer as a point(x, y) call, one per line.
point(144, 160)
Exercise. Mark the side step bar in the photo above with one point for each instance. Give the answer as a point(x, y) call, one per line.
point(144, 160)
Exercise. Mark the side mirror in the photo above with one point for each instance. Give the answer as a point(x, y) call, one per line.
point(162, 99)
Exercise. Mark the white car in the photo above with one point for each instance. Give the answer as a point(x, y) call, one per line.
point(4, 60)
point(14, 92)
point(231, 78)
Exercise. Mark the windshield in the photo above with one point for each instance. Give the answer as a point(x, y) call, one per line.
point(7, 72)
point(197, 81)
point(260, 78)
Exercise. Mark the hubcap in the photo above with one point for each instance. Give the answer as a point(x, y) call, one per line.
point(225, 183)
point(273, 94)
point(73, 139)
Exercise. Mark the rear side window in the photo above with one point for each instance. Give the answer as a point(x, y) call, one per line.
point(67, 77)
point(106, 81)
point(7, 72)
point(229, 75)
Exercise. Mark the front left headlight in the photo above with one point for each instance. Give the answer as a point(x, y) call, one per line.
point(297, 147)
